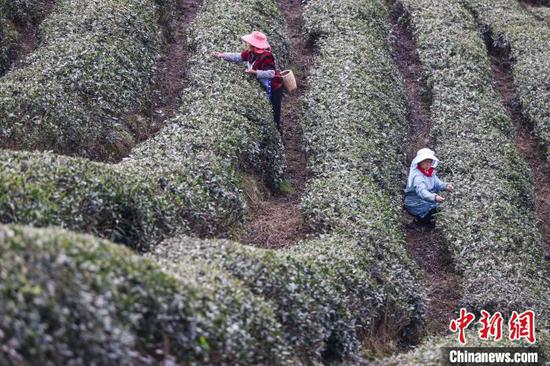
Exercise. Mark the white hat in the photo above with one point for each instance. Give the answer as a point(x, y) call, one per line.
point(424, 154)
point(421, 155)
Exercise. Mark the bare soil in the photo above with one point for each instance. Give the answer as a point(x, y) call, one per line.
point(171, 77)
point(27, 40)
point(410, 67)
point(526, 143)
point(171, 74)
point(442, 283)
point(276, 219)
point(424, 244)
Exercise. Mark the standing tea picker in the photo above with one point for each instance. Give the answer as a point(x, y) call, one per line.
point(423, 186)
point(260, 62)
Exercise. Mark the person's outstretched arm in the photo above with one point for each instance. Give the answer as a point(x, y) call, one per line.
point(422, 190)
point(442, 186)
point(228, 56)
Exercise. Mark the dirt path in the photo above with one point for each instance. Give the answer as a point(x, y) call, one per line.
point(277, 220)
point(427, 249)
point(27, 35)
point(531, 151)
point(26, 42)
point(171, 71)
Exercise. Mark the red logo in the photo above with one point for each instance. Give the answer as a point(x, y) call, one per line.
point(519, 325)
point(491, 326)
point(461, 323)
point(522, 326)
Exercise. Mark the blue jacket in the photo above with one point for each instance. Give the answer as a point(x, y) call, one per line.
point(420, 195)
point(425, 187)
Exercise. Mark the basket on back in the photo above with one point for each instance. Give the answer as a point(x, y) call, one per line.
point(289, 81)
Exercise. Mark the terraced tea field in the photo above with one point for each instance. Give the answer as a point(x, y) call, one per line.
point(152, 213)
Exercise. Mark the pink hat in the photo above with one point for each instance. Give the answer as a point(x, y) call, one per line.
point(256, 39)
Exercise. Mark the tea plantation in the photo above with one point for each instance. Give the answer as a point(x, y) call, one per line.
point(120, 250)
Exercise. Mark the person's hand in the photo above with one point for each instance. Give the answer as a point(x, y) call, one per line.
point(450, 188)
point(217, 54)
point(439, 199)
point(250, 71)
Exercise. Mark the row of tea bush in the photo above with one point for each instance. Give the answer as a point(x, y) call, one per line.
point(74, 299)
point(354, 132)
point(528, 41)
point(26, 13)
point(94, 64)
point(356, 285)
point(188, 177)
point(489, 222)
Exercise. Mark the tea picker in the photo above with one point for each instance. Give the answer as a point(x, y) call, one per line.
point(260, 62)
point(421, 194)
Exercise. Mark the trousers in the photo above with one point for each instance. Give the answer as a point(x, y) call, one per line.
point(276, 101)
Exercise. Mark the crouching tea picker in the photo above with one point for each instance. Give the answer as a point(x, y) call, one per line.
point(261, 63)
point(423, 186)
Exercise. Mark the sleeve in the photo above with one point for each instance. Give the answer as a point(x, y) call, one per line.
point(233, 57)
point(422, 190)
point(265, 74)
point(439, 184)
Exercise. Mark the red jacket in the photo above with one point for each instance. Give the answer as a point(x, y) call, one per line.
point(264, 61)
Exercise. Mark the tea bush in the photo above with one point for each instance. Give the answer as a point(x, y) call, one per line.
point(95, 62)
point(354, 113)
point(22, 12)
point(328, 293)
point(489, 221)
point(541, 13)
point(382, 293)
point(307, 299)
point(43, 189)
point(191, 168)
point(351, 207)
point(354, 110)
point(528, 41)
point(74, 299)
point(8, 37)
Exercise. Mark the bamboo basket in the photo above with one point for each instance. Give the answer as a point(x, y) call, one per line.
point(289, 81)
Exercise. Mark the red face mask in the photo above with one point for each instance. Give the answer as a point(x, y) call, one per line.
point(427, 173)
